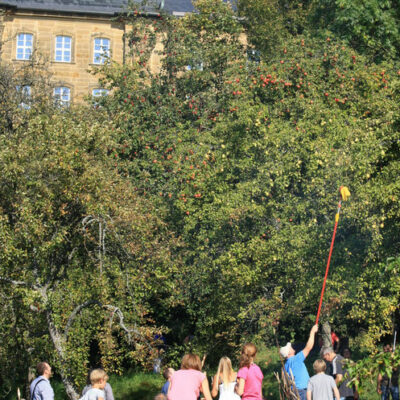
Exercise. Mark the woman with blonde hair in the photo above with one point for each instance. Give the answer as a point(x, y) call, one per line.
point(187, 382)
point(225, 381)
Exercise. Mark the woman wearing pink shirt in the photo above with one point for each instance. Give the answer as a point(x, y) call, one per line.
point(189, 380)
point(249, 376)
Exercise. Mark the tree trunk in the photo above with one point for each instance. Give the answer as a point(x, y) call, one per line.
point(58, 342)
point(326, 336)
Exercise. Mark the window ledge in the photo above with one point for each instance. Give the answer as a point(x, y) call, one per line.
point(63, 62)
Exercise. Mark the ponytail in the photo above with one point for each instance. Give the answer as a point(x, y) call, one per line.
point(249, 351)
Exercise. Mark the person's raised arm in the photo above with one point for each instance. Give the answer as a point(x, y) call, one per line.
point(205, 388)
point(214, 390)
point(310, 341)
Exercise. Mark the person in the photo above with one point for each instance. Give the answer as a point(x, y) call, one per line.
point(335, 342)
point(40, 387)
point(167, 375)
point(249, 375)
point(98, 380)
point(346, 353)
point(386, 386)
point(108, 393)
point(187, 382)
point(160, 396)
point(225, 381)
point(321, 386)
point(339, 373)
point(294, 363)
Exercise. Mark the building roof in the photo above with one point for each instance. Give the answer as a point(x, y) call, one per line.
point(104, 7)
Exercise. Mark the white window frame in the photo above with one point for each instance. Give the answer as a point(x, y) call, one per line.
point(101, 54)
point(62, 96)
point(27, 50)
point(64, 49)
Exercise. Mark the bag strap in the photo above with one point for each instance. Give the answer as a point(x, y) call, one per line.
point(33, 391)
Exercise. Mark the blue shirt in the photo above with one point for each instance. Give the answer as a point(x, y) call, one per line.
point(296, 366)
point(42, 390)
point(165, 387)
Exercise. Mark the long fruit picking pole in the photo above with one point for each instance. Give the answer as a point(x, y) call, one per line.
point(344, 193)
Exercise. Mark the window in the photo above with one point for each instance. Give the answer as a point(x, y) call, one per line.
point(101, 50)
point(196, 63)
point(24, 46)
point(253, 56)
point(97, 95)
point(62, 96)
point(24, 95)
point(63, 49)
point(99, 92)
point(195, 66)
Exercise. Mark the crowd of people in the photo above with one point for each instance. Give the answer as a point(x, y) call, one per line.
point(189, 382)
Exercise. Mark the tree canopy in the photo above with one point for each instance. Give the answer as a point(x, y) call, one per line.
point(199, 200)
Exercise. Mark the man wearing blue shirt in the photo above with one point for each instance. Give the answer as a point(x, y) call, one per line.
point(294, 363)
point(40, 387)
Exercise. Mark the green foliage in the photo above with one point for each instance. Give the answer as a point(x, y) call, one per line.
point(81, 255)
point(366, 370)
point(200, 200)
point(245, 160)
point(369, 26)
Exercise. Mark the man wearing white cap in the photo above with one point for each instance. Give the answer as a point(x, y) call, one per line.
point(294, 363)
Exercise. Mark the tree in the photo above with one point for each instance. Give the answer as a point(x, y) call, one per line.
point(81, 254)
point(245, 160)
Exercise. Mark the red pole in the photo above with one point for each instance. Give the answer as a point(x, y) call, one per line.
point(329, 260)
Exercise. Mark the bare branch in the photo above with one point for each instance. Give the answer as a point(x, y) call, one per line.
point(76, 311)
point(130, 332)
point(13, 282)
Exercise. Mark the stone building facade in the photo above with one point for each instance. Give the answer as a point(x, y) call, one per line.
point(72, 36)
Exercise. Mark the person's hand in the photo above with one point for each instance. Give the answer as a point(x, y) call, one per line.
point(314, 329)
point(378, 389)
point(203, 360)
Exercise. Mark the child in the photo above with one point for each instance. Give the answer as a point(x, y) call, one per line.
point(167, 375)
point(249, 376)
point(225, 381)
point(98, 379)
point(187, 382)
point(321, 386)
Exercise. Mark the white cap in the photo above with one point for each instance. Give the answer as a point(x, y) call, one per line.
point(285, 350)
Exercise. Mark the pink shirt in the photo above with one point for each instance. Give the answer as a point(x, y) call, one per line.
point(185, 384)
point(253, 379)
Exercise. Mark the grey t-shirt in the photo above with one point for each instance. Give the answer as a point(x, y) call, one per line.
point(93, 394)
point(107, 391)
point(338, 368)
point(321, 386)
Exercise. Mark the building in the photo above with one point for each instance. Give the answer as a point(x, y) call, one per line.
point(73, 35)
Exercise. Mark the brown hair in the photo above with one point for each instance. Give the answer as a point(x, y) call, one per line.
point(167, 373)
point(319, 366)
point(249, 351)
point(41, 367)
point(191, 361)
point(97, 375)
